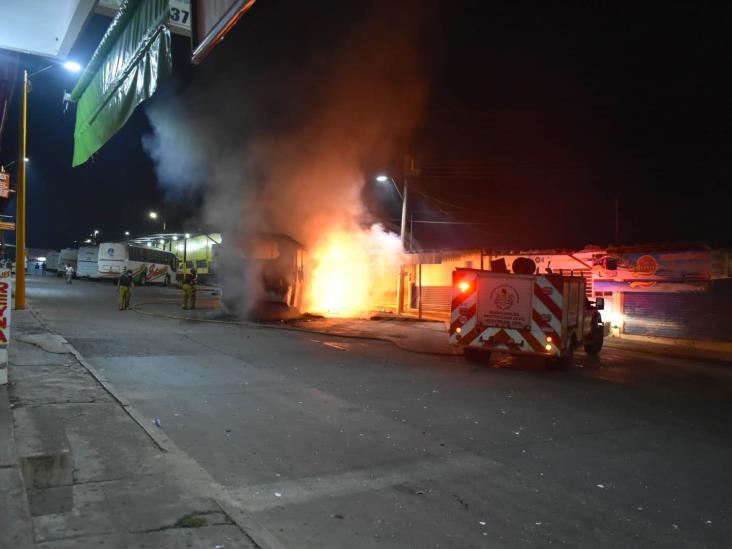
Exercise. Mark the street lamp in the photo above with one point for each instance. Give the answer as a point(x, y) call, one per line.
point(72, 66)
point(403, 231)
point(20, 191)
point(127, 233)
point(154, 215)
point(402, 235)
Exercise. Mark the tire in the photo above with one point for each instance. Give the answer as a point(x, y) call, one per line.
point(566, 361)
point(597, 337)
point(475, 355)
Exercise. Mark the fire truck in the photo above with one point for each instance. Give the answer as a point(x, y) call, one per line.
point(524, 313)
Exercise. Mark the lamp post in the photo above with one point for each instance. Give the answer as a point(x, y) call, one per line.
point(402, 236)
point(154, 215)
point(403, 230)
point(20, 191)
point(20, 199)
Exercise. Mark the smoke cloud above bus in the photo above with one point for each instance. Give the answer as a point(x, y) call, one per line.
point(281, 149)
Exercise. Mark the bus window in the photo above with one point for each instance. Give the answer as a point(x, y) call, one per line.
point(201, 264)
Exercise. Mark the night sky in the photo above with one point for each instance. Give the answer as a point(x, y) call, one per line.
point(538, 116)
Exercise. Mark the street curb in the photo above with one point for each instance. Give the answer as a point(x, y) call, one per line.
point(136, 308)
point(259, 535)
point(160, 439)
point(668, 350)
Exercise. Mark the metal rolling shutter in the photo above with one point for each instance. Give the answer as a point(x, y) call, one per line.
point(702, 316)
point(437, 298)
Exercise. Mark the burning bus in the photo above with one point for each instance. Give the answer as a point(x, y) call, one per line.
point(262, 276)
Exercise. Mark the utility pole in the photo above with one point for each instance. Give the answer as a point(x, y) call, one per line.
point(20, 199)
point(409, 171)
point(403, 232)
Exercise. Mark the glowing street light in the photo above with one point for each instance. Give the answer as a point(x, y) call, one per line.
point(26, 159)
point(161, 241)
point(72, 66)
point(187, 235)
point(87, 241)
point(402, 235)
point(175, 238)
point(383, 179)
point(154, 215)
point(127, 233)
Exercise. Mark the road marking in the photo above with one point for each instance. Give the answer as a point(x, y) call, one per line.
point(261, 497)
point(335, 346)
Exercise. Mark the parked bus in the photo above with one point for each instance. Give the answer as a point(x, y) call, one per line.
point(88, 262)
point(52, 261)
point(148, 265)
point(263, 277)
point(67, 256)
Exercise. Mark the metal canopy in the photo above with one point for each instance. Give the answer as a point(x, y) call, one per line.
point(48, 28)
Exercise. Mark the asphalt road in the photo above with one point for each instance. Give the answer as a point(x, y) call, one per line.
point(331, 442)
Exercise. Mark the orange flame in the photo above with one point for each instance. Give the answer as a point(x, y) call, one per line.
point(351, 269)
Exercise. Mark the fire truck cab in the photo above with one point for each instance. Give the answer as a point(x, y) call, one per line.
point(545, 315)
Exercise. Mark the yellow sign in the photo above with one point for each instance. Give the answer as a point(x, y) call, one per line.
point(7, 226)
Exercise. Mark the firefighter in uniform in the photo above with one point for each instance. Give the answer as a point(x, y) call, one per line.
point(189, 290)
point(124, 290)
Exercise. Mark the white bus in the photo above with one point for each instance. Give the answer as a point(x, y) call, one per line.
point(147, 264)
point(52, 261)
point(88, 262)
point(68, 256)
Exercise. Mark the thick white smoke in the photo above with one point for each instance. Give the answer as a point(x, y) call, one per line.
point(301, 176)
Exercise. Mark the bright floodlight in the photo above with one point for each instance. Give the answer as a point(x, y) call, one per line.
point(187, 235)
point(382, 178)
point(149, 244)
point(175, 238)
point(161, 241)
point(26, 159)
point(87, 241)
point(153, 215)
point(96, 232)
point(72, 66)
point(127, 233)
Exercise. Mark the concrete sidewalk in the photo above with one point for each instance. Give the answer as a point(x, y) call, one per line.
point(78, 470)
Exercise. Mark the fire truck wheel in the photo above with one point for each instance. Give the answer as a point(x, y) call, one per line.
point(480, 356)
point(565, 361)
point(594, 344)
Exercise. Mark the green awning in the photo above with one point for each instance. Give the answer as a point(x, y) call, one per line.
point(123, 72)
